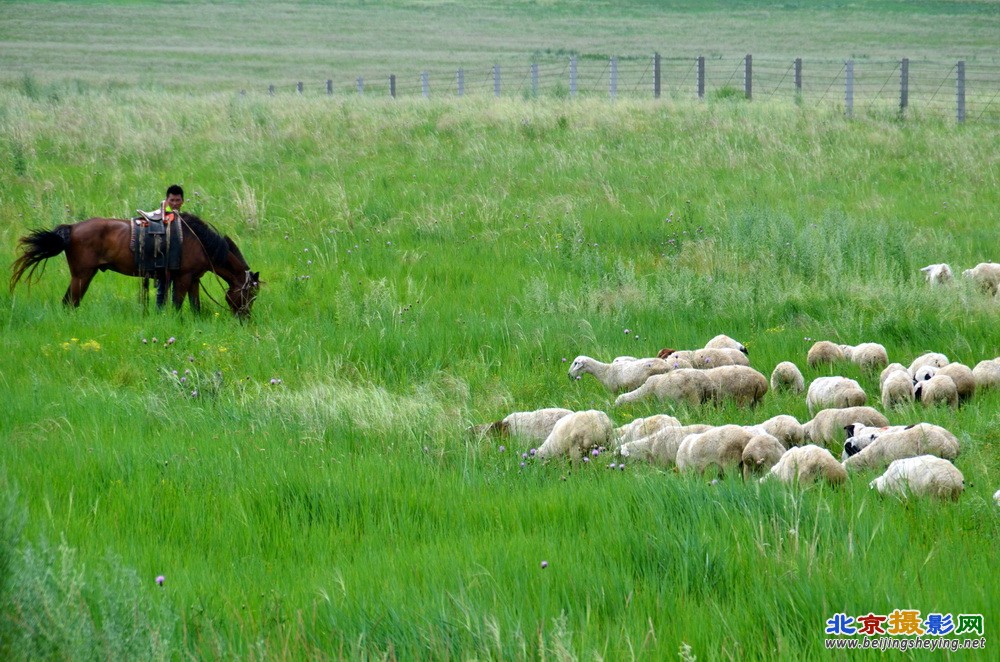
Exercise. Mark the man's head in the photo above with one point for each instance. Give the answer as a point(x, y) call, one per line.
point(175, 197)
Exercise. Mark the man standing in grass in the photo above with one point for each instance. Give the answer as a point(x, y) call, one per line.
point(169, 213)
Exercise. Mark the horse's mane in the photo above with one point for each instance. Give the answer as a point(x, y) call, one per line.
point(215, 244)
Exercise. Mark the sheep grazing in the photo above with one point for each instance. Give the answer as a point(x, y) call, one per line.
point(965, 381)
point(920, 439)
point(996, 497)
point(703, 359)
point(723, 341)
point(721, 447)
point(787, 377)
point(869, 356)
point(827, 427)
point(860, 436)
point(924, 475)
point(897, 389)
point(533, 425)
point(577, 433)
point(782, 427)
point(987, 374)
point(937, 274)
point(929, 359)
point(741, 383)
point(834, 393)
point(643, 427)
point(661, 446)
point(760, 454)
point(621, 374)
point(807, 464)
point(889, 369)
point(986, 275)
point(937, 390)
point(824, 352)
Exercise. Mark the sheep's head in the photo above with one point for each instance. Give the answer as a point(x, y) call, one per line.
point(665, 352)
point(577, 368)
point(924, 374)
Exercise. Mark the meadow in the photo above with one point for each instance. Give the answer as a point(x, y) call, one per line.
point(304, 483)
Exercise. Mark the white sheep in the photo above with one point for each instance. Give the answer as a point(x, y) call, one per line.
point(741, 383)
point(824, 352)
point(996, 497)
point(924, 475)
point(577, 433)
point(721, 447)
point(860, 436)
point(889, 369)
point(661, 446)
point(704, 359)
point(643, 427)
point(761, 453)
point(897, 389)
point(987, 374)
point(782, 427)
point(621, 374)
point(929, 359)
point(533, 425)
point(834, 393)
point(986, 275)
point(827, 427)
point(787, 377)
point(807, 464)
point(868, 356)
point(937, 274)
point(961, 374)
point(920, 439)
point(937, 390)
point(723, 341)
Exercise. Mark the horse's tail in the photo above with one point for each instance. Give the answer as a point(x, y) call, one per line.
point(37, 247)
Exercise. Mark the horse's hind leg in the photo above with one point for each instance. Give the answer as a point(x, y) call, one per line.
point(182, 285)
point(78, 284)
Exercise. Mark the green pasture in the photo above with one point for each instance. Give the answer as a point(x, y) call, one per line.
point(429, 266)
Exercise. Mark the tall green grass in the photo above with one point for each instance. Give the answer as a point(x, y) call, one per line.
point(429, 266)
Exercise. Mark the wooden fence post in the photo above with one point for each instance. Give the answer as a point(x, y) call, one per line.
point(849, 87)
point(496, 80)
point(798, 75)
point(904, 84)
point(613, 84)
point(656, 75)
point(299, 87)
point(270, 90)
point(425, 85)
point(534, 79)
point(461, 82)
point(361, 85)
point(748, 76)
point(392, 85)
point(572, 76)
point(701, 76)
point(960, 92)
point(329, 86)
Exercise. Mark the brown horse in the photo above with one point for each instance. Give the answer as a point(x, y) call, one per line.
point(99, 244)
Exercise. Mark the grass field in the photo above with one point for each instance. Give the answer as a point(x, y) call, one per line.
point(430, 265)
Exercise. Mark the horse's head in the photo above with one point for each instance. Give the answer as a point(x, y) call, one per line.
point(242, 294)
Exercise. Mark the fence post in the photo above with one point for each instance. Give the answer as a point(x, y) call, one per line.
point(270, 90)
point(613, 88)
point(849, 87)
point(425, 85)
point(534, 79)
point(701, 76)
point(361, 85)
point(960, 91)
point(460, 77)
point(572, 76)
point(904, 84)
point(798, 75)
point(496, 80)
point(656, 75)
point(329, 86)
point(392, 85)
point(748, 76)
point(299, 87)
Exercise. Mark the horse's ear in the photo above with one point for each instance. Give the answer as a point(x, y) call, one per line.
point(255, 276)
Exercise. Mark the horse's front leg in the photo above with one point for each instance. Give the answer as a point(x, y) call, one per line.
point(194, 295)
point(78, 283)
point(182, 286)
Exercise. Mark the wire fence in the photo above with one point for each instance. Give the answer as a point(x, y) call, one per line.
point(962, 91)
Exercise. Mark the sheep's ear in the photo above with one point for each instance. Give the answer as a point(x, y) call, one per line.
point(849, 429)
point(926, 269)
point(917, 390)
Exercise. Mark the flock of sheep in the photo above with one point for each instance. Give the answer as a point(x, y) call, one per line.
point(985, 274)
point(916, 458)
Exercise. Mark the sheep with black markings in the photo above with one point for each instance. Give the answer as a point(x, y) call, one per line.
point(722, 341)
point(937, 390)
point(933, 359)
point(661, 446)
point(924, 475)
point(986, 275)
point(827, 427)
point(860, 436)
point(807, 464)
point(897, 389)
point(787, 377)
point(721, 447)
point(834, 393)
point(920, 439)
point(824, 352)
point(577, 433)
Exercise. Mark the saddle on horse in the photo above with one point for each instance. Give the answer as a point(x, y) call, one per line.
point(156, 242)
